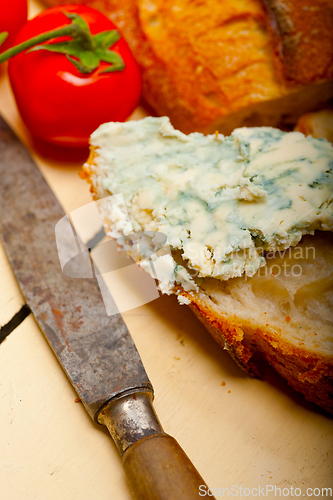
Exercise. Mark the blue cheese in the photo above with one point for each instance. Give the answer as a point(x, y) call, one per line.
point(221, 201)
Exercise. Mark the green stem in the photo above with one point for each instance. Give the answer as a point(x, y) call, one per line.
point(84, 50)
point(70, 30)
point(3, 37)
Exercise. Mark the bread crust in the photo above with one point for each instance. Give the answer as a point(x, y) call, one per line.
point(218, 65)
point(301, 33)
point(305, 371)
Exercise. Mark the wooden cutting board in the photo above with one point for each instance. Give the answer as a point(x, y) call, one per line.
point(250, 437)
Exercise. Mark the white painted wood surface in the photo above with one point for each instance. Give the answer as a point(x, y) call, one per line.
point(238, 432)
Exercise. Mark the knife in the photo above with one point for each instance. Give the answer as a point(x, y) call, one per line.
point(95, 350)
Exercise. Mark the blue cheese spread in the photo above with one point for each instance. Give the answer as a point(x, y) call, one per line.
point(221, 201)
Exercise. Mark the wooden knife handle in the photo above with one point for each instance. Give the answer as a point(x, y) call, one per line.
point(155, 465)
point(157, 468)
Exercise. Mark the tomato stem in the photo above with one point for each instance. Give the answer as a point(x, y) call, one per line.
point(3, 37)
point(36, 40)
point(84, 50)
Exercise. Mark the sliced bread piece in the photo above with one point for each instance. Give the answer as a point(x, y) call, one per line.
point(234, 211)
point(217, 65)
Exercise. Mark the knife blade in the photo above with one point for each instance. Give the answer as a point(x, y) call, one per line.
point(95, 350)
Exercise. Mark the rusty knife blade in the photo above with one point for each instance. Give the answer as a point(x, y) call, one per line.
point(95, 350)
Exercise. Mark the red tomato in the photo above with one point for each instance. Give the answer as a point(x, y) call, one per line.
point(13, 16)
point(58, 103)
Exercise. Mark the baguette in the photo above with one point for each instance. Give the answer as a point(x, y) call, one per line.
point(276, 302)
point(212, 65)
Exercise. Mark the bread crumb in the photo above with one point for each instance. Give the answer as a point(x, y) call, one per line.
point(77, 400)
point(229, 392)
point(288, 318)
point(223, 383)
point(83, 174)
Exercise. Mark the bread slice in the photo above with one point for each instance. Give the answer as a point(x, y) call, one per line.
point(318, 124)
point(283, 314)
point(280, 311)
point(217, 65)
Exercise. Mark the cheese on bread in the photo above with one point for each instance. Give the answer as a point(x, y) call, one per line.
point(231, 208)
